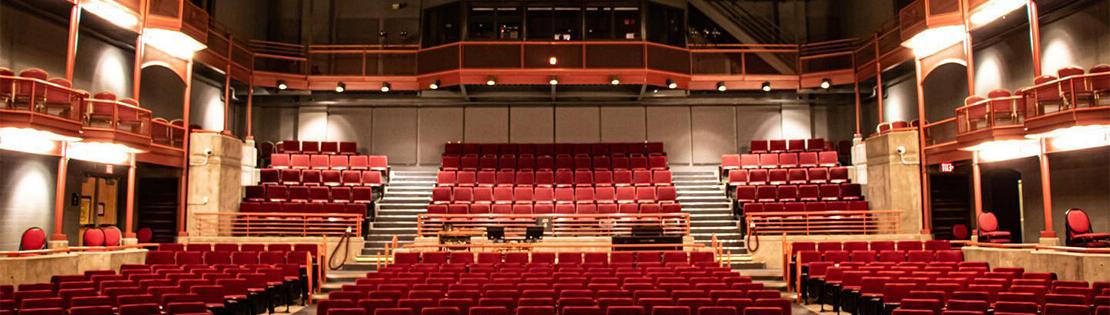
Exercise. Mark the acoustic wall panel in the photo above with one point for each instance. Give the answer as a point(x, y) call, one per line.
point(713, 133)
point(796, 122)
point(486, 124)
point(395, 134)
point(351, 124)
point(531, 124)
point(623, 124)
point(438, 125)
point(671, 125)
point(757, 122)
point(577, 124)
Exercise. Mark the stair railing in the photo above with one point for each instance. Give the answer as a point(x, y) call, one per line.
point(763, 30)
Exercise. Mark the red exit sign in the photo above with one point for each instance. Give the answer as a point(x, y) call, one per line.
point(947, 167)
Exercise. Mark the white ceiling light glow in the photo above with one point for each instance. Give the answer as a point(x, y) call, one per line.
point(101, 152)
point(30, 140)
point(1006, 150)
point(932, 40)
point(112, 12)
point(993, 10)
point(174, 43)
point(1079, 137)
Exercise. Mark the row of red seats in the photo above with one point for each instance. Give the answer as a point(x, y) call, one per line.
point(234, 247)
point(867, 256)
point(786, 193)
point(812, 206)
point(779, 176)
point(903, 245)
point(1070, 86)
point(329, 162)
point(568, 306)
point(302, 207)
point(225, 259)
point(791, 145)
point(558, 178)
point(269, 176)
point(315, 194)
point(547, 162)
point(313, 147)
point(541, 195)
point(779, 160)
point(566, 208)
point(643, 148)
point(404, 259)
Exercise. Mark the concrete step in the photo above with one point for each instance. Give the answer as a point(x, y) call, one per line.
point(395, 218)
point(396, 199)
point(411, 225)
point(763, 274)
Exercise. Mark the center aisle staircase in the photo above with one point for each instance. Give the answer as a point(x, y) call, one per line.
point(705, 198)
point(407, 194)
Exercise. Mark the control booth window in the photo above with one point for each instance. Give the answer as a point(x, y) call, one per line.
point(494, 23)
point(442, 24)
point(613, 22)
point(554, 23)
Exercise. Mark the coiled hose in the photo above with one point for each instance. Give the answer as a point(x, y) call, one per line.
point(751, 242)
point(343, 245)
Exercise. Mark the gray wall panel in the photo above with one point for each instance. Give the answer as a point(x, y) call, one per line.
point(395, 134)
point(486, 124)
point(713, 133)
point(577, 124)
point(438, 125)
point(757, 122)
point(531, 125)
point(623, 124)
point(671, 125)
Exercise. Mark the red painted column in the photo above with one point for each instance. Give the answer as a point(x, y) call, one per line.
point(879, 80)
point(855, 80)
point(60, 193)
point(926, 200)
point(71, 41)
point(183, 183)
point(1046, 190)
point(128, 224)
point(1034, 35)
point(976, 184)
point(250, 108)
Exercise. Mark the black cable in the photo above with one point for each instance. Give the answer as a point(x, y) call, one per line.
point(344, 244)
point(752, 236)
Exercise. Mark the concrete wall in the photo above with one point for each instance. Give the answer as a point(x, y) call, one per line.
point(415, 135)
point(26, 195)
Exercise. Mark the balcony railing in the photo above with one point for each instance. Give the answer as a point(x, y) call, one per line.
point(991, 113)
point(940, 132)
point(118, 116)
point(558, 224)
point(1068, 94)
point(167, 133)
point(254, 224)
point(825, 222)
point(40, 97)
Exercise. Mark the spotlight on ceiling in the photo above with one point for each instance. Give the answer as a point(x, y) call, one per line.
point(553, 81)
point(281, 85)
point(721, 86)
point(491, 81)
point(435, 85)
point(552, 61)
point(671, 84)
point(615, 80)
point(340, 87)
point(766, 87)
point(386, 86)
point(826, 83)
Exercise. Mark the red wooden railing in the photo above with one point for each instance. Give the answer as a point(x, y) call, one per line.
point(242, 224)
point(825, 222)
point(559, 224)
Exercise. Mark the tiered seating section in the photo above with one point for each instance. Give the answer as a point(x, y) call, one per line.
point(316, 177)
point(617, 283)
point(511, 178)
point(791, 175)
point(176, 279)
point(929, 278)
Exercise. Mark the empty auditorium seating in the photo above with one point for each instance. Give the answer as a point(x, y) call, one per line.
point(316, 177)
point(547, 156)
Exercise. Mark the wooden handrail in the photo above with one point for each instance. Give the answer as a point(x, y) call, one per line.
point(826, 222)
point(277, 224)
point(560, 224)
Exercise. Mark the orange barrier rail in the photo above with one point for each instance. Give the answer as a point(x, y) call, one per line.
point(1068, 95)
point(41, 98)
point(940, 132)
point(825, 222)
point(556, 224)
point(241, 224)
point(117, 116)
point(167, 133)
point(991, 113)
point(71, 249)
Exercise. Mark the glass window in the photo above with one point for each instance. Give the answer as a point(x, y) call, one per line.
point(481, 23)
point(613, 22)
point(509, 22)
point(441, 25)
point(667, 25)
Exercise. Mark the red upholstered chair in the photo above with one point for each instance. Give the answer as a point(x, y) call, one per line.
point(33, 239)
point(988, 229)
point(1078, 226)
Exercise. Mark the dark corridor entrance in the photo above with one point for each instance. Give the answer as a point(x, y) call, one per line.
point(1002, 196)
point(157, 207)
point(951, 202)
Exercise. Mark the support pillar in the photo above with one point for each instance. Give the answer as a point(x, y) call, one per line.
point(923, 171)
point(1034, 35)
point(58, 238)
point(1048, 236)
point(976, 185)
point(129, 218)
point(892, 177)
point(183, 182)
point(879, 80)
point(71, 41)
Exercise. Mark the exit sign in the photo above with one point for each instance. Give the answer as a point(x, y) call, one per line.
point(947, 167)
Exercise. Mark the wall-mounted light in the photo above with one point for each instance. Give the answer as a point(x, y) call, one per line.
point(766, 86)
point(174, 43)
point(552, 61)
point(615, 80)
point(826, 83)
point(491, 81)
point(385, 87)
point(340, 87)
point(721, 86)
point(281, 85)
point(671, 84)
point(434, 85)
point(553, 81)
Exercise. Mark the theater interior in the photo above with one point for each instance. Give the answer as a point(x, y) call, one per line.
point(539, 157)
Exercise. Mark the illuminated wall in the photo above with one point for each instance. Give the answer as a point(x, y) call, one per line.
point(26, 195)
point(697, 134)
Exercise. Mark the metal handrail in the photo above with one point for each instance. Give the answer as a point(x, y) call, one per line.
point(560, 224)
point(248, 224)
point(826, 222)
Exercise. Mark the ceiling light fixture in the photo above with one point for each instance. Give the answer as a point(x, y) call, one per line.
point(281, 85)
point(491, 81)
point(615, 80)
point(721, 86)
point(340, 87)
point(826, 83)
point(766, 86)
point(174, 43)
point(935, 39)
point(385, 87)
point(671, 84)
point(553, 81)
point(552, 61)
point(434, 85)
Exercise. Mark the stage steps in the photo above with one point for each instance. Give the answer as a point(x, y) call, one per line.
point(407, 194)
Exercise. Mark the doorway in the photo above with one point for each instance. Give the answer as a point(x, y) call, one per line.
point(156, 207)
point(951, 201)
point(1002, 196)
point(99, 202)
